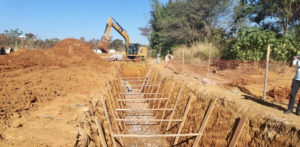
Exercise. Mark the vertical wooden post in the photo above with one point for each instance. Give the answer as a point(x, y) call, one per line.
point(208, 66)
point(101, 133)
point(186, 111)
point(154, 82)
point(174, 108)
point(109, 124)
point(157, 90)
point(266, 72)
point(164, 112)
point(161, 96)
point(182, 60)
point(204, 122)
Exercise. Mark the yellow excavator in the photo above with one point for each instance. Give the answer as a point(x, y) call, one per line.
point(133, 51)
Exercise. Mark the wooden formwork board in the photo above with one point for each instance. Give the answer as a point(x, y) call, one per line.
point(164, 112)
point(137, 93)
point(186, 111)
point(174, 107)
point(138, 120)
point(204, 122)
point(168, 109)
point(101, 133)
point(109, 124)
point(238, 130)
point(143, 99)
point(154, 135)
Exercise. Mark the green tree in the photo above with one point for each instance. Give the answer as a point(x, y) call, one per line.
point(251, 44)
point(276, 15)
point(185, 22)
point(117, 44)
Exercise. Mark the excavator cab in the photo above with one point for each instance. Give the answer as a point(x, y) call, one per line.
point(133, 49)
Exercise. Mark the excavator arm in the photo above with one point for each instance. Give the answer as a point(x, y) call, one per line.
point(103, 45)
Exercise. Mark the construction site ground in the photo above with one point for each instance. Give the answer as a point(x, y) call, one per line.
point(49, 97)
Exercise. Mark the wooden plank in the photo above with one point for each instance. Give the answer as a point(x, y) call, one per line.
point(171, 90)
point(186, 111)
point(168, 109)
point(155, 96)
point(133, 77)
point(138, 93)
point(109, 124)
point(159, 103)
point(238, 130)
point(143, 99)
point(154, 135)
point(174, 108)
point(204, 122)
point(148, 120)
point(101, 133)
point(150, 85)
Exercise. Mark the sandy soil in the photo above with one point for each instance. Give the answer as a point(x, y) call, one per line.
point(43, 93)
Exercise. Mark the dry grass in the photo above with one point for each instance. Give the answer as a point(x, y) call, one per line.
point(197, 50)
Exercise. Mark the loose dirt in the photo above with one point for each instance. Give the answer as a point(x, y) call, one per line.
point(43, 92)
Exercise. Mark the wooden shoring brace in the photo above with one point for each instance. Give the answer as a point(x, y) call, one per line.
point(155, 82)
point(154, 135)
point(186, 111)
point(101, 133)
point(146, 79)
point(109, 124)
point(115, 122)
point(159, 103)
point(114, 107)
point(204, 122)
point(123, 104)
point(151, 80)
point(155, 95)
point(115, 113)
point(174, 107)
point(166, 104)
point(238, 130)
point(119, 96)
point(162, 88)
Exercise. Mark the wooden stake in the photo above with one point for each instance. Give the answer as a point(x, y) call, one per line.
point(266, 72)
point(208, 66)
point(174, 108)
point(109, 124)
point(154, 135)
point(101, 133)
point(204, 122)
point(186, 111)
point(238, 130)
point(164, 112)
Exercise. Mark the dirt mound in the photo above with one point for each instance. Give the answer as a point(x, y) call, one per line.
point(24, 58)
point(281, 93)
point(73, 48)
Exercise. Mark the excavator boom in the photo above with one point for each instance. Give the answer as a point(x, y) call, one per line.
point(112, 23)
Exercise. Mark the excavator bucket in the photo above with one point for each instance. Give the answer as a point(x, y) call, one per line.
point(103, 46)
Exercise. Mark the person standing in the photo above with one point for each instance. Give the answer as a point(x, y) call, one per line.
point(295, 86)
point(158, 58)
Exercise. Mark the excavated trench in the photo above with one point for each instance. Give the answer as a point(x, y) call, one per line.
point(140, 87)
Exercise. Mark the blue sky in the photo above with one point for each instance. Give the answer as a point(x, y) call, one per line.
point(75, 18)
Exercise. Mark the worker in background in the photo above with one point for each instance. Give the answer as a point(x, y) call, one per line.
point(158, 58)
point(168, 59)
point(295, 87)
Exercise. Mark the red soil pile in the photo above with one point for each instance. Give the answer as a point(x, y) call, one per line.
point(24, 58)
point(281, 93)
point(74, 48)
point(66, 52)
